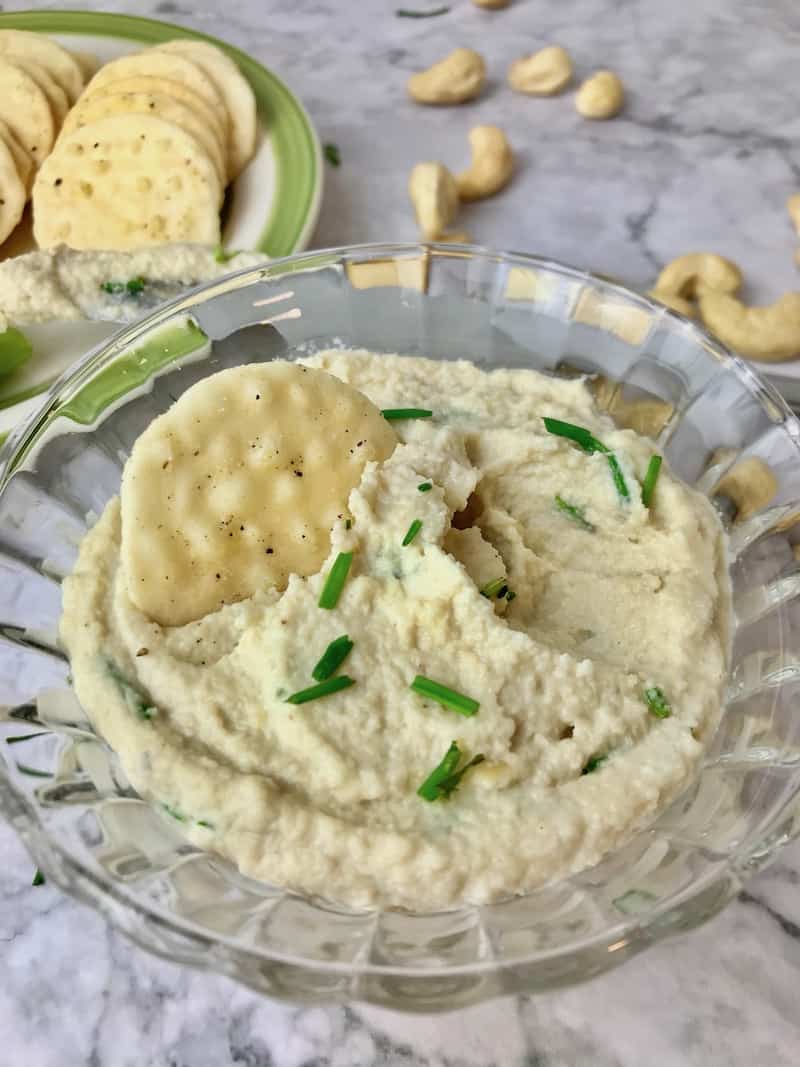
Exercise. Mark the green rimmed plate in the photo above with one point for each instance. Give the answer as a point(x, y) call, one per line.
point(273, 205)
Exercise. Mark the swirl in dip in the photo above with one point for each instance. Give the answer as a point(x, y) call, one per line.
point(578, 636)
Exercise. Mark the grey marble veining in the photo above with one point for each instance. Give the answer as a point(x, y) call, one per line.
point(703, 157)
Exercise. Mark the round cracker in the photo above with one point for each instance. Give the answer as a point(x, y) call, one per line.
point(21, 156)
point(12, 193)
point(240, 101)
point(152, 64)
point(238, 485)
point(105, 105)
point(24, 107)
point(178, 91)
point(56, 97)
point(57, 61)
point(127, 182)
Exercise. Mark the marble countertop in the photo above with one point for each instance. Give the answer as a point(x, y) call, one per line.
point(703, 158)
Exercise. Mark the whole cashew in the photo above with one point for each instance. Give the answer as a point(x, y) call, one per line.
point(543, 73)
point(683, 275)
point(492, 164)
point(770, 333)
point(601, 96)
point(793, 207)
point(453, 80)
point(675, 302)
point(434, 194)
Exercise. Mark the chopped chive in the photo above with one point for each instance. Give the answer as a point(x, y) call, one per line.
point(405, 13)
point(38, 878)
point(324, 689)
point(332, 658)
point(497, 588)
point(205, 824)
point(657, 702)
point(575, 513)
point(650, 479)
point(221, 256)
point(593, 763)
point(510, 595)
point(135, 700)
point(425, 487)
point(429, 790)
point(406, 413)
point(445, 696)
point(618, 476)
point(32, 772)
point(412, 532)
point(332, 154)
point(581, 436)
point(444, 778)
point(24, 737)
point(173, 812)
point(135, 286)
point(589, 443)
point(451, 782)
point(348, 523)
point(334, 583)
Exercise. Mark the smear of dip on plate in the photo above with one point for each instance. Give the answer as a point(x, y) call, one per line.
point(506, 664)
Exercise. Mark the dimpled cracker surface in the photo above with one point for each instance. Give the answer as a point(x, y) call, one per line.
point(238, 485)
point(126, 182)
point(152, 64)
point(57, 61)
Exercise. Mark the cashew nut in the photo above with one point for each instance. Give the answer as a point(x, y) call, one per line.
point(493, 5)
point(453, 80)
point(770, 333)
point(543, 73)
point(793, 207)
point(492, 164)
point(601, 96)
point(675, 302)
point(434, 194)
point(682, 276)
point(750, 484)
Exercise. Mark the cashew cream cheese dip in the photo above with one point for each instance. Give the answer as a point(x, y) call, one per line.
point(537, 657)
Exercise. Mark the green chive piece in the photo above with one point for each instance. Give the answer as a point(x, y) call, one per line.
point(444, 779)
point(221, 256)
point(445, 696)
point(135, 286)
point(25, 737)
point(332, 658)
point(348, 523)
point(657, 702)
point(332, 154)
point(581, 436)
point(451, 782)
point(498, 588)
point(412, 532)
point(324, 689)
point(650, 479)
point(593, 763)
point(510, 595)
point(173, 812)
point(205, 824)
point(15, 349)
point(618, 476)
point(38, 878)
point(429, 790)
point(425, 487)
point(112, 287)
point(574, 513)
point(32, 772)
point(404, 13)
point(589, 443)
point(133, 698)
point(392, 414)
point(334, 583)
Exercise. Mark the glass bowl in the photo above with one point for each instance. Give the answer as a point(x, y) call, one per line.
point(722, 429)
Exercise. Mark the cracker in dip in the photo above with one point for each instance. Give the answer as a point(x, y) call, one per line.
point(433, 716)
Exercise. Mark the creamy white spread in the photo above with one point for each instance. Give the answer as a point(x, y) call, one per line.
point(322, 797)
